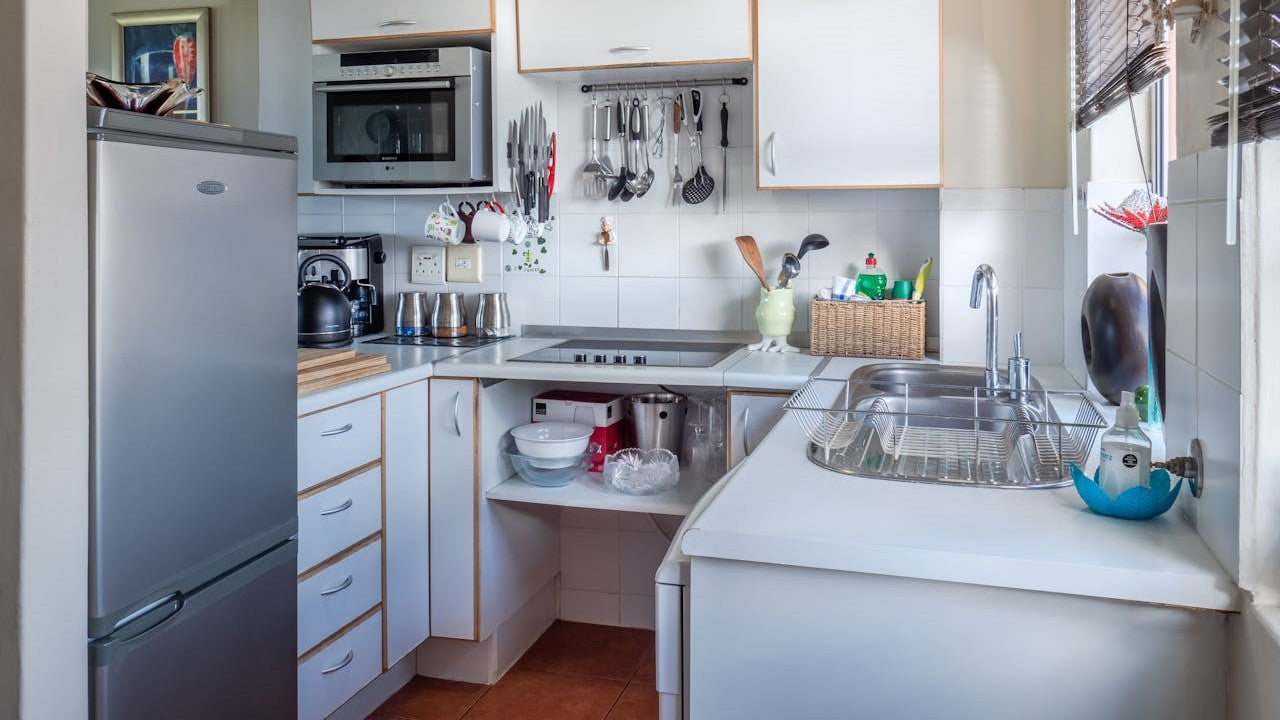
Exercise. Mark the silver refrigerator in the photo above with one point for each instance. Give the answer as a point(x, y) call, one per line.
point(193, 515)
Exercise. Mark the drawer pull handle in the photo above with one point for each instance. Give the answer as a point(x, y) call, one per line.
point(339, 587)
point(630, 48)
point(351, 655)
point(337, 431)
point(397, 23)
point(457, 424)
point(773, 160)
point(746, 432)
point(335, 510)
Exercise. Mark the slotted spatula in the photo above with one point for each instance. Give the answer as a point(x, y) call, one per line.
point(700, 186)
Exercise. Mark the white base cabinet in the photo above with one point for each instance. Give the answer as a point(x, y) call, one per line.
point(582, 34)
point(347, 21)
point(848, 94)
point(406, 462)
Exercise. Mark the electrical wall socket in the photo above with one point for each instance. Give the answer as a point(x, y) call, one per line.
point(426, 265)
point(463, 263)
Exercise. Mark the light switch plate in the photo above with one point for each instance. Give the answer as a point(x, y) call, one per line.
point(463, 263)
point(426, 265)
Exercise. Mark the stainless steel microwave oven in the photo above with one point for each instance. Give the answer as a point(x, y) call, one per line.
point(403, 117)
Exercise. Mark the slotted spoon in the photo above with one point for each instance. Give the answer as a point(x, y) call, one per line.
point(593, 170)
point(701, 185)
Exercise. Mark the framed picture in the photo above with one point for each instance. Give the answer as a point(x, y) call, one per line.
point(157, 45)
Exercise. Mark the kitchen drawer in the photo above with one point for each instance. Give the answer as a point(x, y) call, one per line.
point(338, 517)
point(570, 34)
point(338, 594)
point(338, 440)
point(335, 20)
point(331, 676)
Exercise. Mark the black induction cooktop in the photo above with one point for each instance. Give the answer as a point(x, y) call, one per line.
point(667, 353)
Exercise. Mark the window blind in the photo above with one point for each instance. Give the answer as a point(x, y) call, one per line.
point(1258, 88)
point(1120, 50)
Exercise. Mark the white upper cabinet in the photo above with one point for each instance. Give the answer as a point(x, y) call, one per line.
point(848, 94)
point(576, 34)
point(348, 20)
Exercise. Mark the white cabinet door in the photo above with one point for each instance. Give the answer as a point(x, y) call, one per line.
point(575, 34)
point(406, 463)
point(848, 94)
point(454, 569)
point(345, 20)
point(751, 416)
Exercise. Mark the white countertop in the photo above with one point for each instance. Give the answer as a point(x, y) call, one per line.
point(1043, 540)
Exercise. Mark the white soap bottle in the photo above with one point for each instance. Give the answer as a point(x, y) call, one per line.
point(1126, 451)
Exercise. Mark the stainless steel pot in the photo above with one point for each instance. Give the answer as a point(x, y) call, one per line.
point(658, 420)
point(449, 316)
point(493, 317)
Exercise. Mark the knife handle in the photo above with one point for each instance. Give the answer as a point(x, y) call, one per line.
point(622, 122)
point(677, 114)
point(724, 125)
point(697, 109)
point(608, 122)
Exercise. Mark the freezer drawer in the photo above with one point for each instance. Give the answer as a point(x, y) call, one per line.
point(331, 676)
point(338, 440)
point(338, 594)
point(338, 517)
point(227, 652)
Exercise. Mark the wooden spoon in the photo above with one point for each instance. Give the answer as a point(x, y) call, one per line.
point(751, 253)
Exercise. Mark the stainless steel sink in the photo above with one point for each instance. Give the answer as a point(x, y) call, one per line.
point(941, 424)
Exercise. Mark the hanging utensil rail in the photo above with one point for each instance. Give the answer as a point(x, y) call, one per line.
point(660, 84)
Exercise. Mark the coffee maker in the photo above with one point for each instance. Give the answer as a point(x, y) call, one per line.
point(364, 258)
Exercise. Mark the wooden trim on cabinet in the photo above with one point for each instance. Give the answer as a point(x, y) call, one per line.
point(343, 555)
point(340, 632)
point(340, 404)
point(520, 68)
point(384, 531)
point(475, 501)
point(338, 479)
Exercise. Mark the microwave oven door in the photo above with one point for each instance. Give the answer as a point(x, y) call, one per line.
point(429, 132)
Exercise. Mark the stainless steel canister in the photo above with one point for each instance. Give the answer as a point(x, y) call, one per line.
point(412, 312)
point(493, 317)
point(658, 420)
point(449, 316)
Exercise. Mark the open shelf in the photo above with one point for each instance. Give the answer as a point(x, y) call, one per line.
point(589, 492)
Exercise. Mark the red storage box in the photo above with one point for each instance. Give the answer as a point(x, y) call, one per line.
point(603, 411)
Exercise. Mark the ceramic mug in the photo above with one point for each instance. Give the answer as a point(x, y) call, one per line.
point(491, 223)
point(444, 226)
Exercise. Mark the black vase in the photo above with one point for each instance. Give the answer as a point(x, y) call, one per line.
point(1113, 330)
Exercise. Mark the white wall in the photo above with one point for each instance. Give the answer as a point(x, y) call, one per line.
point(607, 565)
point(43, 363)
point(233, 26)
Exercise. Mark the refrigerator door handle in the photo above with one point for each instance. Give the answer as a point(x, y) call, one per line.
point(335, 510)
point(146, 609)
point(122, 631)
point(337, 431)
point(339, 587)
point(351, 655)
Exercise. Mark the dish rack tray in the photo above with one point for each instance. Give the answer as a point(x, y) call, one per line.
point(947, 434)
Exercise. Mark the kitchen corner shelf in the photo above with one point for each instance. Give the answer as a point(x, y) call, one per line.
point(588, 492)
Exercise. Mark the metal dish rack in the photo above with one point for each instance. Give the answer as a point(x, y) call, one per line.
point(947, 434)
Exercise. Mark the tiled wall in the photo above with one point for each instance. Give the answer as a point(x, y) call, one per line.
point(607, 565)
point(1019, 233)
point(1203, 344)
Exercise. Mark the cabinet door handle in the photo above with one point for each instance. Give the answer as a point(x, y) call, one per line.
point(746, 433)
point(630, 48)
point(351, 655)
point(397, 23)
point(457, 424)
point(335, 510)
point(773, 161)
point(339, 587)
point(337, 431)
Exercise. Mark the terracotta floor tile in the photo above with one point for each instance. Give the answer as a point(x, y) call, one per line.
point(595, 650)
point(638, 702)
point(537, 695)
point(430, 699)
point(647, 670)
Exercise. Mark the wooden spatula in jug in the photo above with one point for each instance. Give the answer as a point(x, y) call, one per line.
point(751, 253)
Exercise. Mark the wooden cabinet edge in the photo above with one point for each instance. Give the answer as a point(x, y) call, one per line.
point(339, 633)
point(339, 479)
point(342, 555)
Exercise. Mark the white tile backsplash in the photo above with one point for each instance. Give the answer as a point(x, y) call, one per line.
point(1180, 330)
point(585, 606)
point(589, 559)
point(648, 302)
point(588, 302)
point(994, 237)
point(1217, 296)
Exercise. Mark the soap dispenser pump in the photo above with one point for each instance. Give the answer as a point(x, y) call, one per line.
point(1126, 451)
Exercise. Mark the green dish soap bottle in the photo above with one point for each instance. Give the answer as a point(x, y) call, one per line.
point(872, 280)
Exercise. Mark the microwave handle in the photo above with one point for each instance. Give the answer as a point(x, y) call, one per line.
point(375, 86)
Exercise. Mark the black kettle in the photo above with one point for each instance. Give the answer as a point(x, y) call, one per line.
point(324, 311)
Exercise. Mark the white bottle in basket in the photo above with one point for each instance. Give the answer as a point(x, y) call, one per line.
point(1126, 452)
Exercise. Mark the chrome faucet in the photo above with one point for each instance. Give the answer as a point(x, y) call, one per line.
point(984, 276)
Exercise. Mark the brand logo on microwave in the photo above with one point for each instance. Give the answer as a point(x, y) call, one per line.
point(388, 158)
point(211, 187)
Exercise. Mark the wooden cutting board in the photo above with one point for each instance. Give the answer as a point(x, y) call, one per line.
point(327, 368)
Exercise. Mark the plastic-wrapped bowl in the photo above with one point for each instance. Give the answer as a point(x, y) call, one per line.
point(549, 473)
point(633, 471)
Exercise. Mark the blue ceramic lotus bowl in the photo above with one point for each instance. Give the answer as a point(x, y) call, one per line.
point(1136, 503)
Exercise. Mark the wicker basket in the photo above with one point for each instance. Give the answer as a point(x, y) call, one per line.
point(888, 329)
